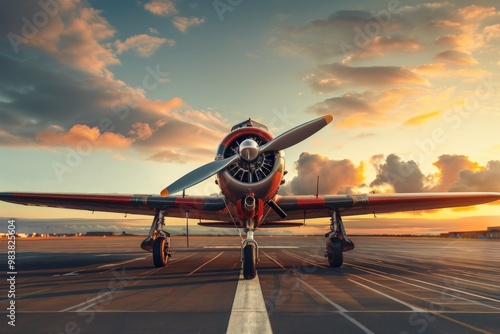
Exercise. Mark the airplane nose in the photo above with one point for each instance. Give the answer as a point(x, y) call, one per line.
point(249, 150)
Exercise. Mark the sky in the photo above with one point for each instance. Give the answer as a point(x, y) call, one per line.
point(127, 96)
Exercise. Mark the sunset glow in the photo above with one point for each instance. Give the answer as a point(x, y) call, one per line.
point(108, 97)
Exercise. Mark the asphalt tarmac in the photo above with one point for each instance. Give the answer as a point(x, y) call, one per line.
point(387, 285)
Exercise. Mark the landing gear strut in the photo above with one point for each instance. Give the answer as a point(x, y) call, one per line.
point(158, 241)
point(249, 256)
point(337, 242)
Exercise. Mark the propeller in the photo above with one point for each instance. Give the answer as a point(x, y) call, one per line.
point(283, 141)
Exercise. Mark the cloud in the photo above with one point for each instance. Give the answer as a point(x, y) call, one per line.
point(449, 167)
point(80, 135)
point(455, 57)
point(177, 133)
point(344, 34)
point(62, 91)
point(75, 37)
point(421, 119)
point(184, 23)
point(364, 135)
point(11, 140)
point(353, 35)
point(382, 45)
point(141, 131)
point(335, 176)
point(168, 156)
point(486, 179)
point(191, 154)
point(153, 30)
point(143, 45)
point(475, 13)
point(402, 176)
point(370, 109)
point(492, 32)
point(455, 173)
point(332, 77)
point(161, 7)
point(44, 106)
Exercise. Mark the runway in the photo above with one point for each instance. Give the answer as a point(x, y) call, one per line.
point(387, 285)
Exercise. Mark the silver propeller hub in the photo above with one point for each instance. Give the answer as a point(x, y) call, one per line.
point(249, 150)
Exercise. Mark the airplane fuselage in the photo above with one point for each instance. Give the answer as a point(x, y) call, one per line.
point(256, 177)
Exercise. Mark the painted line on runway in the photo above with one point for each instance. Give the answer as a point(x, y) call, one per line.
point(495, 286)
point(441, 292)
point(428, 283)
point(333, 312)
point(439, 314)
point(410, 306)
point(456, 290)
point(204, 264)
point(96, 300)
point(239, 247)
point(305, 259)
point(342, 310)
point(87, 301)
point(176, 260)
point(120, 263)
point(249, 312)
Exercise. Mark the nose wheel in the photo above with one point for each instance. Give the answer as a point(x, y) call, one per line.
point(249, 256)
point(249, 260)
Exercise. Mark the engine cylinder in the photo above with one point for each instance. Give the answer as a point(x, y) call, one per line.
point(260, 173)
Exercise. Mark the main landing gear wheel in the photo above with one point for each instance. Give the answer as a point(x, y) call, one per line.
point(335, 253)
point(249, 261)
point(160, 252)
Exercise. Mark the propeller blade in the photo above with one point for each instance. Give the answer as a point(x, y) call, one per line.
point(296, 135)
point(283, 141)
point(199, 174)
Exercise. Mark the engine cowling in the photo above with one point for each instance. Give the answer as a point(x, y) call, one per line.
point(259, 173)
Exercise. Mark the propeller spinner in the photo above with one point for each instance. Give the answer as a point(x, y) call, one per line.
point(249, 151)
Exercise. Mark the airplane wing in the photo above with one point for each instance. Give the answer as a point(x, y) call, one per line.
point(214, 208)
point(200, 207)
point(307, 207)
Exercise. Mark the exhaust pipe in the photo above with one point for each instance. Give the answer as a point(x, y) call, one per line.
point(249, 204)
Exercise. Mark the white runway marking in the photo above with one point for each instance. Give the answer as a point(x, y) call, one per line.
point(342, 311)
point(204, 264)
point(442, 292)
point(120, 263)
point(249, 313)
point(260, 247)
point(410, 306)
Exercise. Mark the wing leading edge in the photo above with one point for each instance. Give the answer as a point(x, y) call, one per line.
point(200, 207)
point(214, 208)
point(304, 207)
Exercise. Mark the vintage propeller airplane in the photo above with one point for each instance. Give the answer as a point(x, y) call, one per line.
point(250, 166)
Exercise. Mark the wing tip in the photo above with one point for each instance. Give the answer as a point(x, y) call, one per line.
point(328, 119)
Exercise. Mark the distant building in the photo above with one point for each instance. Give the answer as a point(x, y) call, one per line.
point(99, 234)
point(490, 233)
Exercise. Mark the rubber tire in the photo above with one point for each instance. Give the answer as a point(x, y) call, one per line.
point(160, 256)
point(249, 261)
point(336, 259)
